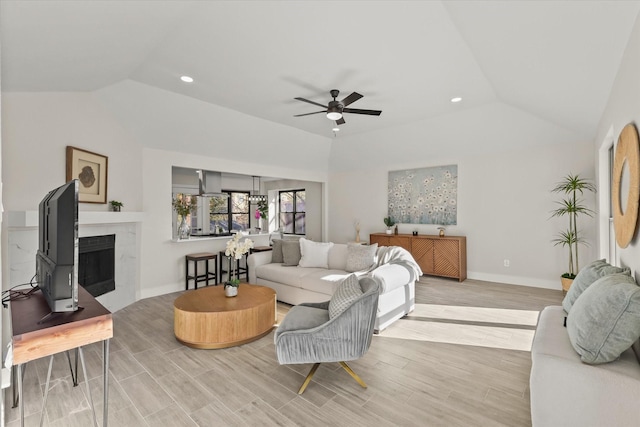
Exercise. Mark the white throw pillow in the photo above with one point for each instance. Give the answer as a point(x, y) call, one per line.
point(360, 257)
point(314, 254)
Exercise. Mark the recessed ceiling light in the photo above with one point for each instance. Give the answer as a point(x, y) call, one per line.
point(187, 79)
point(456, 99)
point(336, 129)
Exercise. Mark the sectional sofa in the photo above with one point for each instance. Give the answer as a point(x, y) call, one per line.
point(313, 276)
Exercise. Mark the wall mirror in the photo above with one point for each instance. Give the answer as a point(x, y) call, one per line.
point(626, 185)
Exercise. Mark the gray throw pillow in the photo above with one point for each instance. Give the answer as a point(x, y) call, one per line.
point(586, 276)
point(276, 253)
point(605, 319)
point(360, 257)
point(347, 292)
point(291, 252)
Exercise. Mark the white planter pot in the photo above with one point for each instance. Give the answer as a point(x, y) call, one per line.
point(389, 231)
point(231, 291)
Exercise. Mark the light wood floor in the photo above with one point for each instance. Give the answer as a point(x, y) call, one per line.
point(414, 378)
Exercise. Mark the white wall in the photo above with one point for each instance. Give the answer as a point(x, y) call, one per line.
point(624, 107)
point(504, 202)
point(38, 127)
point(163, 259)
point(2, 252)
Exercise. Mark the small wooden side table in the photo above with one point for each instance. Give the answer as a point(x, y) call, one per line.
point(66, 331)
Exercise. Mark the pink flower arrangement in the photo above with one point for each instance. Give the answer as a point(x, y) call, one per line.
point(257, 214)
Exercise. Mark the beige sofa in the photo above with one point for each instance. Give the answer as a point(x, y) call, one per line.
point(295, 285)
point(566, 392)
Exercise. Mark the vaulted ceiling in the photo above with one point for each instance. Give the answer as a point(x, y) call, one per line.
point(554, 61)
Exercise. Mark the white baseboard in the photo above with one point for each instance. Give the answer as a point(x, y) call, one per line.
point(516, 280)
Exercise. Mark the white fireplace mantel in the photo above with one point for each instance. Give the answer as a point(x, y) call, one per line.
point(23, 246)
point(25, 219)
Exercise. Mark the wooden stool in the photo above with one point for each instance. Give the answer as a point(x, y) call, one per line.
point(208, 275)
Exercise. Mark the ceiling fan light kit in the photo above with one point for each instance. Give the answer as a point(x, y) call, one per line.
point(335, 109)
point(334, 115)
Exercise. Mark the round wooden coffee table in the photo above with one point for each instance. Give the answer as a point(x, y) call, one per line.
point(206, 318)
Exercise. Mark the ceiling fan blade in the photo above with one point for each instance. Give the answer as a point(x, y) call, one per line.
point(351, 98)
point(357, 111)
point(340, 121)
point(311, 102)
point(308, 114)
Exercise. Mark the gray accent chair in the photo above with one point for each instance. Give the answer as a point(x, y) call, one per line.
point(308, 335)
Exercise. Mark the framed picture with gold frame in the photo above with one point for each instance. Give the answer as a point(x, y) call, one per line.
point(90, 169)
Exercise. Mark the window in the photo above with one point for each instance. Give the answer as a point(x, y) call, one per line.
point(292, 211)
point(229, 212)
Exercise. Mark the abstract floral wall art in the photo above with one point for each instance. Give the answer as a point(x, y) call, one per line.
point(424, 196)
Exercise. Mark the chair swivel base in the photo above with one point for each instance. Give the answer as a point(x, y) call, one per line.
point(314, 368)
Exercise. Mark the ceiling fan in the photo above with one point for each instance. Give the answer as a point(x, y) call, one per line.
point(335, 109)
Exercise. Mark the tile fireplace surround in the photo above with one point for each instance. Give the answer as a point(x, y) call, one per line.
point(23, 245)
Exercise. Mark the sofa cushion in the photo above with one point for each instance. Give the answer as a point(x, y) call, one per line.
point(291, 252)
point(281, 274)
point(586, 276)
point(551, 336)
point(348, 291)
point(360, 257)
point(321, 280)
point(314, 254)
point(338, 257)
point(605, 320)
point(276, 253)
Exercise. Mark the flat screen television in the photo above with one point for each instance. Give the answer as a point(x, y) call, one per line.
point(57, 256)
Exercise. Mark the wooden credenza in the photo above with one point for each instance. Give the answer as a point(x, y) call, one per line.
point(436, 256)
point(382, 239)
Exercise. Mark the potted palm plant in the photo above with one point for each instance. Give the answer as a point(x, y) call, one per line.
point(571, 205)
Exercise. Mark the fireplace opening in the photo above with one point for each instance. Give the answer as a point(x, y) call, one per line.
point(96, 264)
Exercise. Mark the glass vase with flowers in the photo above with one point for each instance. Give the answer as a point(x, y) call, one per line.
point(184, 205)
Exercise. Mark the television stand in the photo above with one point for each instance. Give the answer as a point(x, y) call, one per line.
point(33, 340)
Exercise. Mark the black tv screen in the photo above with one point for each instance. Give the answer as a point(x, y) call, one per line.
point(57, 257)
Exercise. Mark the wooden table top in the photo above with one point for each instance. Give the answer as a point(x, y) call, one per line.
point(212, 299)
point(64, 331)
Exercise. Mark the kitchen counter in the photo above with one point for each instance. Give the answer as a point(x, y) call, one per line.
point(218, 237)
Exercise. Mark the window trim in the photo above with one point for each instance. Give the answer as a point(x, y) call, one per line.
point(294, 212)
point(230, 212)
